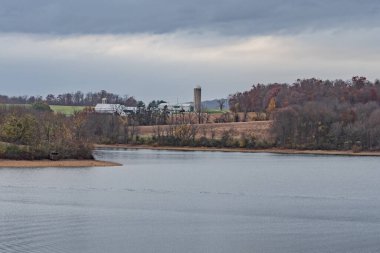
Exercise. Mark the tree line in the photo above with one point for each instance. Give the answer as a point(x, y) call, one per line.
point(265, 98)
point(35, 132)
point(72, 99)
point(316, 114)
point(308, 114)
point(112, 129)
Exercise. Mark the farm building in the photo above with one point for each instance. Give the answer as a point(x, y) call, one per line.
point(129, 109)
point(114, 109)
point(175, 108)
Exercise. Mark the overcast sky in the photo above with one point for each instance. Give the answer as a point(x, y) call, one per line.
point(162, 49)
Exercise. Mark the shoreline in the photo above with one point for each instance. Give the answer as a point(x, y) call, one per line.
point(244, 150)
point(59, 164)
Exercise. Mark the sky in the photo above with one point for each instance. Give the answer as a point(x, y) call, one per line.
point(162, 49)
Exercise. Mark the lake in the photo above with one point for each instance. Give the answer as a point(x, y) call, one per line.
point(174, 201)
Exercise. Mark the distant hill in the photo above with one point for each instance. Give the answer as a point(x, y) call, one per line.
point(213, 104)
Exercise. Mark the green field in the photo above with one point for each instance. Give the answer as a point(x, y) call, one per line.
point(214, 111)
point(65, 109)
point(14, 105)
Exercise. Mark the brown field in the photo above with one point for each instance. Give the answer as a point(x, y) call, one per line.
point(49, 163)
point(229, 117)
point(217, 117)
point(261, 129)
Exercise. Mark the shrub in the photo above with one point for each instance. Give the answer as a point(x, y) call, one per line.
point(41, 106)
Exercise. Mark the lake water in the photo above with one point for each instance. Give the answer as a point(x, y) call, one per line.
point(171, 201)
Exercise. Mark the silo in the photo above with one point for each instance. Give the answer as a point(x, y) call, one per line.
point(198, 99)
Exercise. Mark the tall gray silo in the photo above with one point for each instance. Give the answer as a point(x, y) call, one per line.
point(198, 99)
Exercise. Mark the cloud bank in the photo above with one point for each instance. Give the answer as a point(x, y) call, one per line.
point(162, 49)
point(166, 16)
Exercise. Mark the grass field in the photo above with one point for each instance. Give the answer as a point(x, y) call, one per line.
point(14, 105)
point(213, 111)
point(65, 109)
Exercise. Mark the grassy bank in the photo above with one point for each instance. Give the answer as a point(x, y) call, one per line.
point(244, 150)
point(48, 163)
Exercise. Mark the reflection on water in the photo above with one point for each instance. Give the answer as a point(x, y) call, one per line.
point(170, 201)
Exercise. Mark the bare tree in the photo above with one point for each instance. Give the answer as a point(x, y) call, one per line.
point(221, 103)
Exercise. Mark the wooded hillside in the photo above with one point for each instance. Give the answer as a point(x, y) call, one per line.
point(316, 114)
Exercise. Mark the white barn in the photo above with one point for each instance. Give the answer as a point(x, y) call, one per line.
point(176, 107)
point(114, 109)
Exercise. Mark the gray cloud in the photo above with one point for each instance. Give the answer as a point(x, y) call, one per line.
point(165, 16)
point(168, 66)
point(163, 48)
